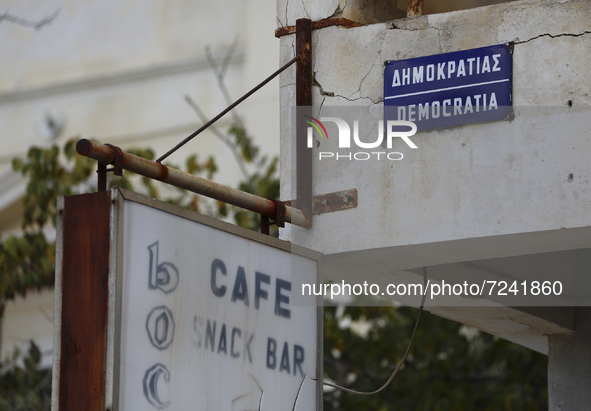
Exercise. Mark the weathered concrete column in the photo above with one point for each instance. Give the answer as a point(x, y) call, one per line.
point(569, 366)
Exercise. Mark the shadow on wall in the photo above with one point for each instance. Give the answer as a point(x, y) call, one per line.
point(443, 6)
point(386, 10)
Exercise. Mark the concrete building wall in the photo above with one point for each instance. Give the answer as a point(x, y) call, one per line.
point(502, 193)
point(366, 11)
point(506, 186)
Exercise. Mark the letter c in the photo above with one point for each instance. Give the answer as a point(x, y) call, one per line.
point(217, 264)
point(151, 385)
point(445, 112)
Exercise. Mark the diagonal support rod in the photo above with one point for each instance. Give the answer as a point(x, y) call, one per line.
point(230, 107)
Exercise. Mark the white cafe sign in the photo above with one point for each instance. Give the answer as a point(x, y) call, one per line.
point(202, 316)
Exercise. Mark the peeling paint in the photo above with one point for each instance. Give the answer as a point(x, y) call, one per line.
point(414, 8)
point(359, 11)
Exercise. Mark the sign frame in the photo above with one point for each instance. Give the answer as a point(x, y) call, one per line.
point(88, 304)
point(410, 85)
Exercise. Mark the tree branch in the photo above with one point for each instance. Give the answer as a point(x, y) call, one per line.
point(37, 25)
point(224, 139)
point(220, 74)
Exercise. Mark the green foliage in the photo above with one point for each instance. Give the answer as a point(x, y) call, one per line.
point(450, 367)
point(192, 166)
point(244, 143)
point(265, 184)
point(27, 261)
point(23, 386)
point(264, 181)
point(48, 178)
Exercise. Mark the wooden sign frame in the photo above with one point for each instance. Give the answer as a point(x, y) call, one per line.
point(88, 304)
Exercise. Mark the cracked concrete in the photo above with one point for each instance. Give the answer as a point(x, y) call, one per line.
point(523, 21)
point(339, 10)
point(288, 11)
point(348, 63)
point(360, 11)
point(359, 75)
point(550, 67)
point(321, 90)
point(324, 94)
point(553, 36)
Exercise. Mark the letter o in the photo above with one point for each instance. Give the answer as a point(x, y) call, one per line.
point(160, 327)
point(435, 113)
point(395, 159)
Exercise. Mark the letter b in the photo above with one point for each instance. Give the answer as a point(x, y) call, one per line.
point(163, 276)
point(271, 357)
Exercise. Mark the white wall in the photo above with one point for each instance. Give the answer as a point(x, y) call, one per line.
point(118, 71)
point(29, 318)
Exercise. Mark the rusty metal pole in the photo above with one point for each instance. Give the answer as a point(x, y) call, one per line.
point(304, 107)
point(102, 177)
point(414, 8)
point(106, 154)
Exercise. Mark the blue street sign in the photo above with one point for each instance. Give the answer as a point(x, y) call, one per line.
point(451, 89)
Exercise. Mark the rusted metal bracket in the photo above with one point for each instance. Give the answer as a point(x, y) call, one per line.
point(101, 170)
point(337, 201)
point(105, 155)
point(414, 8)
point(304, 107)
point(338, 21)
point(279, 220)
point(116, 160)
